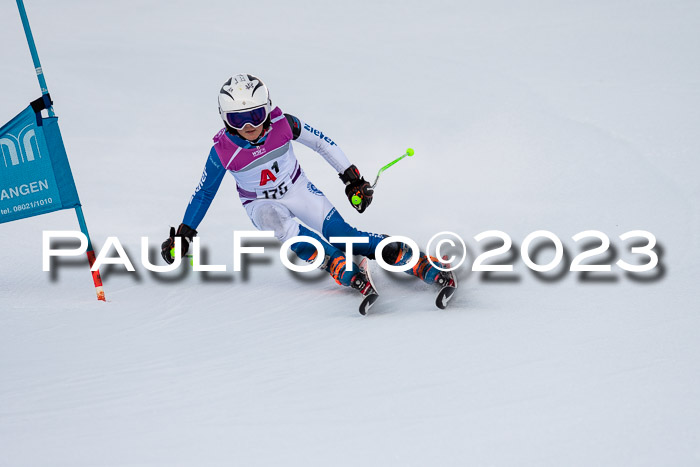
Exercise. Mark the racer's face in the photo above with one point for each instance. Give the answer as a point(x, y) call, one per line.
point(250, 132)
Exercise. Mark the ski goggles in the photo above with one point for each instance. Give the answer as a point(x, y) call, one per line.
point(255, 117)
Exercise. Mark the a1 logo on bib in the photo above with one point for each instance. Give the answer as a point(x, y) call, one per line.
point(313, 189)
point(266, 176)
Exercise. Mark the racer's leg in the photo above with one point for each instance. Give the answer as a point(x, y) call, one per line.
point(275, 216)
point(311, 206)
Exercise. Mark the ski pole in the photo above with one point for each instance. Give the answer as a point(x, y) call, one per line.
point(409, 152)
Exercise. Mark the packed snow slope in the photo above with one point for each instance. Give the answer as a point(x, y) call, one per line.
point(563, 116)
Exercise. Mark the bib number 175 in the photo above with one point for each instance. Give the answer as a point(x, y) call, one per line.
point(277, 192)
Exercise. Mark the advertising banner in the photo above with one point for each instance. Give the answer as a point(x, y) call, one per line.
point(35, 177)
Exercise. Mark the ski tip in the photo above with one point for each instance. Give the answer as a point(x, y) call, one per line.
point(444, 297)
point(367, 303)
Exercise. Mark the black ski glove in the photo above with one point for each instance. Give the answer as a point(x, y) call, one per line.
point(185, 233)
point(357, 189)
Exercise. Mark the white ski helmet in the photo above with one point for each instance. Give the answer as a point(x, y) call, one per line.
point(244, 99)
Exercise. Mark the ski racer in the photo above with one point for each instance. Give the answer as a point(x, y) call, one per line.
point(255, 146)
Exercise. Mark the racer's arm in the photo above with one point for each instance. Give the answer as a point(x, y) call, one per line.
point(199, 204)
point(319, 142)
point(357, 189)
point(206, 190)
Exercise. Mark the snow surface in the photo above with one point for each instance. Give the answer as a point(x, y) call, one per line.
point(558, 115)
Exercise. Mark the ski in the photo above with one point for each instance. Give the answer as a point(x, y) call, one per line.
point(363, 283)
point(447, 282)
point(367, 303)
